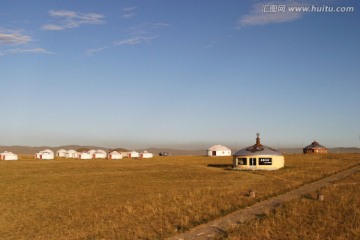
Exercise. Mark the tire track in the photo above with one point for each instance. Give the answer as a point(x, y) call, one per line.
point(219, 227)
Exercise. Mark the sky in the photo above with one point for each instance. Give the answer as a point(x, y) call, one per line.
point(183, 74)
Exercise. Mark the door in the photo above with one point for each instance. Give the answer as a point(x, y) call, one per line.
point(252, 161)
point(214, 153)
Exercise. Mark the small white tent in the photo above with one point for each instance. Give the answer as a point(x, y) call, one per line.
point(146, 154)
point(99, 154)
point(72, 154)
point(92, 151)
point(133, 154)
point(8, 156)
point(46, 154)
point(218, 150)
point(115, 155)
point(124, 154)
point(61, 153)
point(85, 155)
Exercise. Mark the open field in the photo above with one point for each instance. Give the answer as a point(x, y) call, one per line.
point(146, 199)
point(338, 217)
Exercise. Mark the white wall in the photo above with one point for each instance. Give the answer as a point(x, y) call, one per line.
point(219, 153)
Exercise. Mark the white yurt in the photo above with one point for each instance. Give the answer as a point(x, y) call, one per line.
point(218, 150)
point(124, 154)
point(8, 156)
point(99, 154)
point(46, 154)
point(115, 155)
point(146, 154)
point(61, 153)
point(258, 157)
point(85, 155)
point(133, 154)
point(72, 154)
point(92, 151)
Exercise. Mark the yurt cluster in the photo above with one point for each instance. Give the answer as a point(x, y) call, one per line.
point(48, 154)
point(255, 157)
point(101, 154)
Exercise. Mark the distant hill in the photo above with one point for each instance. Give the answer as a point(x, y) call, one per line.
point(120, 150)
point(344, 150)
point(290, 150)
point(174, 152)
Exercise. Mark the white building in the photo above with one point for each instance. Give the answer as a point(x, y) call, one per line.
point(146, 154)
point(115, 155)
point(61, 153)
point(218, 150)
point(85, 155)
point(46, 154)
point(92, 151)
point(72, 154)
point(133, 154)
point(124, 154)
point(99, 154)
point(8, 156)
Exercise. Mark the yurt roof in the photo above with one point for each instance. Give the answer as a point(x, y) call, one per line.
point(100, 151)
point(61, 150)
point(314, 144)
point(47, 150)
point(71, 151)
point(218, 148)
point(115, 153)
point(7, 153)
point(258, 149)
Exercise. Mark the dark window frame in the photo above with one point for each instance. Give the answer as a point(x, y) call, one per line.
point(244, 161)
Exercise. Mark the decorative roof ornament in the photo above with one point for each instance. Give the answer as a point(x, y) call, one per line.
point(257, 147)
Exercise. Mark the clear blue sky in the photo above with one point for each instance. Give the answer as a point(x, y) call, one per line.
point(187, 74)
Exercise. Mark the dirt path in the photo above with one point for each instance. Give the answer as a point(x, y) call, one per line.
point(219, 227)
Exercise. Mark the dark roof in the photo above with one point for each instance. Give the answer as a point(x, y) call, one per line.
point(314, 144)
point(258, 149)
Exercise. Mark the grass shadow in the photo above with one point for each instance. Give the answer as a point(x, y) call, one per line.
point(224, 166)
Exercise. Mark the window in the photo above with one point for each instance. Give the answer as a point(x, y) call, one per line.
point(252, 161)
point(242, 161)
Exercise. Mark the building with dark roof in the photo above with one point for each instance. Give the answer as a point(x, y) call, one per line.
point(315, 148)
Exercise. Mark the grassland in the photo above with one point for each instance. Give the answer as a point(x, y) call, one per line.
point(337, 217)
point(138, 199)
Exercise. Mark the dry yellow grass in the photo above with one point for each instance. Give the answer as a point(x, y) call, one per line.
point(337, 217)
point(130, 199)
